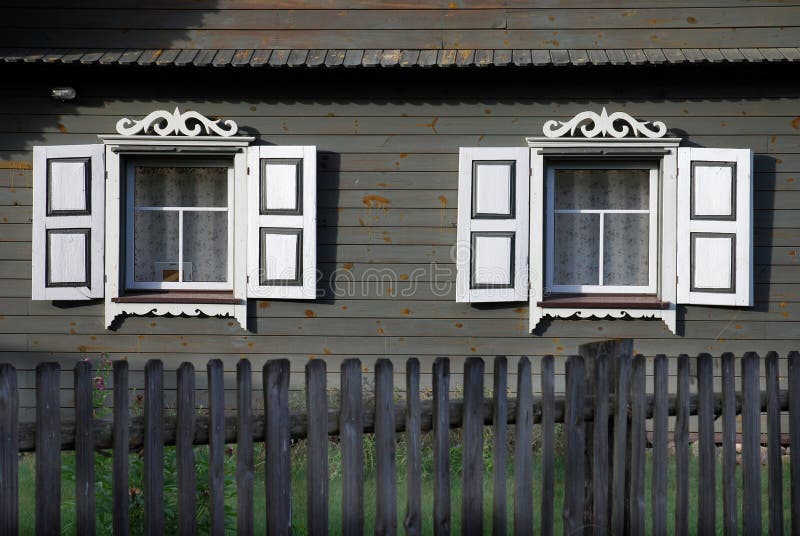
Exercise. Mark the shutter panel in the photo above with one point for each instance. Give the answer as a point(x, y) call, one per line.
point(68, 222)
point(492, 248)
point(715, 254)
point(282, 222)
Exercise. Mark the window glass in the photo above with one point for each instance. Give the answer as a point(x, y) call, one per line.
point(577, 249)
point(180, 186)
point(602, 189)
point(205, 245)
point(155, 241)
point(625, 249)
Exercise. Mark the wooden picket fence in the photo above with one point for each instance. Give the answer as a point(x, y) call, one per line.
point(607, 497)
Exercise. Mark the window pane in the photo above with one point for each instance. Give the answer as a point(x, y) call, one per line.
point(155, 246)
point(602, 189)
point(180, 186)
point(205, 246)
point(626, 249)
point(577, 249)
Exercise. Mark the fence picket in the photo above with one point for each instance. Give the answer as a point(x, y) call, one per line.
point(751, 443)
point(729, 485)
point(548, 431)
point(84, 450)
point(413, 518)
point(119, 479)
point(575, 440)
point(794, 438)
point(441, 446)
point(278, 470)
point(472, 457)
point(660, 412)
point(600, 430)
point(385, 461)
point(350, 428)
point(681, 436)
point(9, 446)
point(154, 448)
point(620, 446)
point(774, 462)
point(48, 449)
point(707, 483)
point(184, 440)
point(523, 455)
point(499, 462)
point(245, 472)
point(317, 477)
point(216, 442)
point(638, 445)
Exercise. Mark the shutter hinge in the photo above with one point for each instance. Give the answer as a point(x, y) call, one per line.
point(105, 278)
point(248, 170)
point(247, 280)
point(106, 174)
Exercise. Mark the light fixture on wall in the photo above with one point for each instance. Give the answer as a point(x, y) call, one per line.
point(63, 93)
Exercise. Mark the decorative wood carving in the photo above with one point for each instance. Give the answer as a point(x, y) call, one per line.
point(164, 123)
point(592, 124)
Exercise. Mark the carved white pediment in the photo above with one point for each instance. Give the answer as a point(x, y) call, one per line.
point(594, 125)
point(177, 123)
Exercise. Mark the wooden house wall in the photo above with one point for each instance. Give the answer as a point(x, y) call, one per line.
point(387, 176)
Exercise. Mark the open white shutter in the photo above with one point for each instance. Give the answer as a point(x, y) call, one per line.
point(282, 222)
point(715, 226)
point(492, 248)
point(68, 222)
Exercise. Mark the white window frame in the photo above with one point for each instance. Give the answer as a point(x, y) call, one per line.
point(551, 211)
point(130, 280)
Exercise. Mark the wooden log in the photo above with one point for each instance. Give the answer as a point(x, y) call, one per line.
point(751, 444)
point(278, 476)
point(9, 445)
point(548, 431)
point(794, 438)
point(637, 446)
point(681, 436)
point(441, 446)
point(472, 455)
point(84, 450)
point(660, 460)
point(48, 454)
point(620, 450)
point(317, 476)
point(774, 461)
point(600, 440)
point(499, 456)
point(245, 471)
point(729, 485)
point(120, 440)
point(707, 483)
point(351, 427)
point(184, 450)
point(153, 448)
point(413, 517)
point(216, 433)
point(523, 451)
point(385, 458)
point(575, 444)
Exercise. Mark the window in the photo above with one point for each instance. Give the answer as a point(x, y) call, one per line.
point(602, 222)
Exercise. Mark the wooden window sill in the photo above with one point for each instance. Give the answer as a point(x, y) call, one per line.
point(603, 301)
point(223, 297)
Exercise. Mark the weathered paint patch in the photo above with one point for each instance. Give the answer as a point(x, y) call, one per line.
point(15, 164)
point(309, 313)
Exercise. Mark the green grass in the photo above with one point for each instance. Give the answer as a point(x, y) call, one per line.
point(27, 487)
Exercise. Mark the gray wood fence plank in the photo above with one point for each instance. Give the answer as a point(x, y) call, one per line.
point(548, 431)
point(84, 449)
point(413, 517)
point(600, 478)
point(48, 449)
point(119, 479)
point(774, 461)
point(245, 472)
point(707, 483)
point(681, 436)
point(184, 450)
point(441, 446)
point(350, 429)
point(620, 454)
point(751, 444)
point(317, 478)
point(794, 438)
point(575, 445)
point(729, 485)
point(659, 488)
point(216, 440)
point(9, 447)
point(385, 458)
point(637, 445)
point(500, 458)
point(278, 475)
point(523, 451)
point(472, 457)
point(154, 448)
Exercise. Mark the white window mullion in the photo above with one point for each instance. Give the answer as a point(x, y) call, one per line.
point(600, 255)
point(180, 246)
